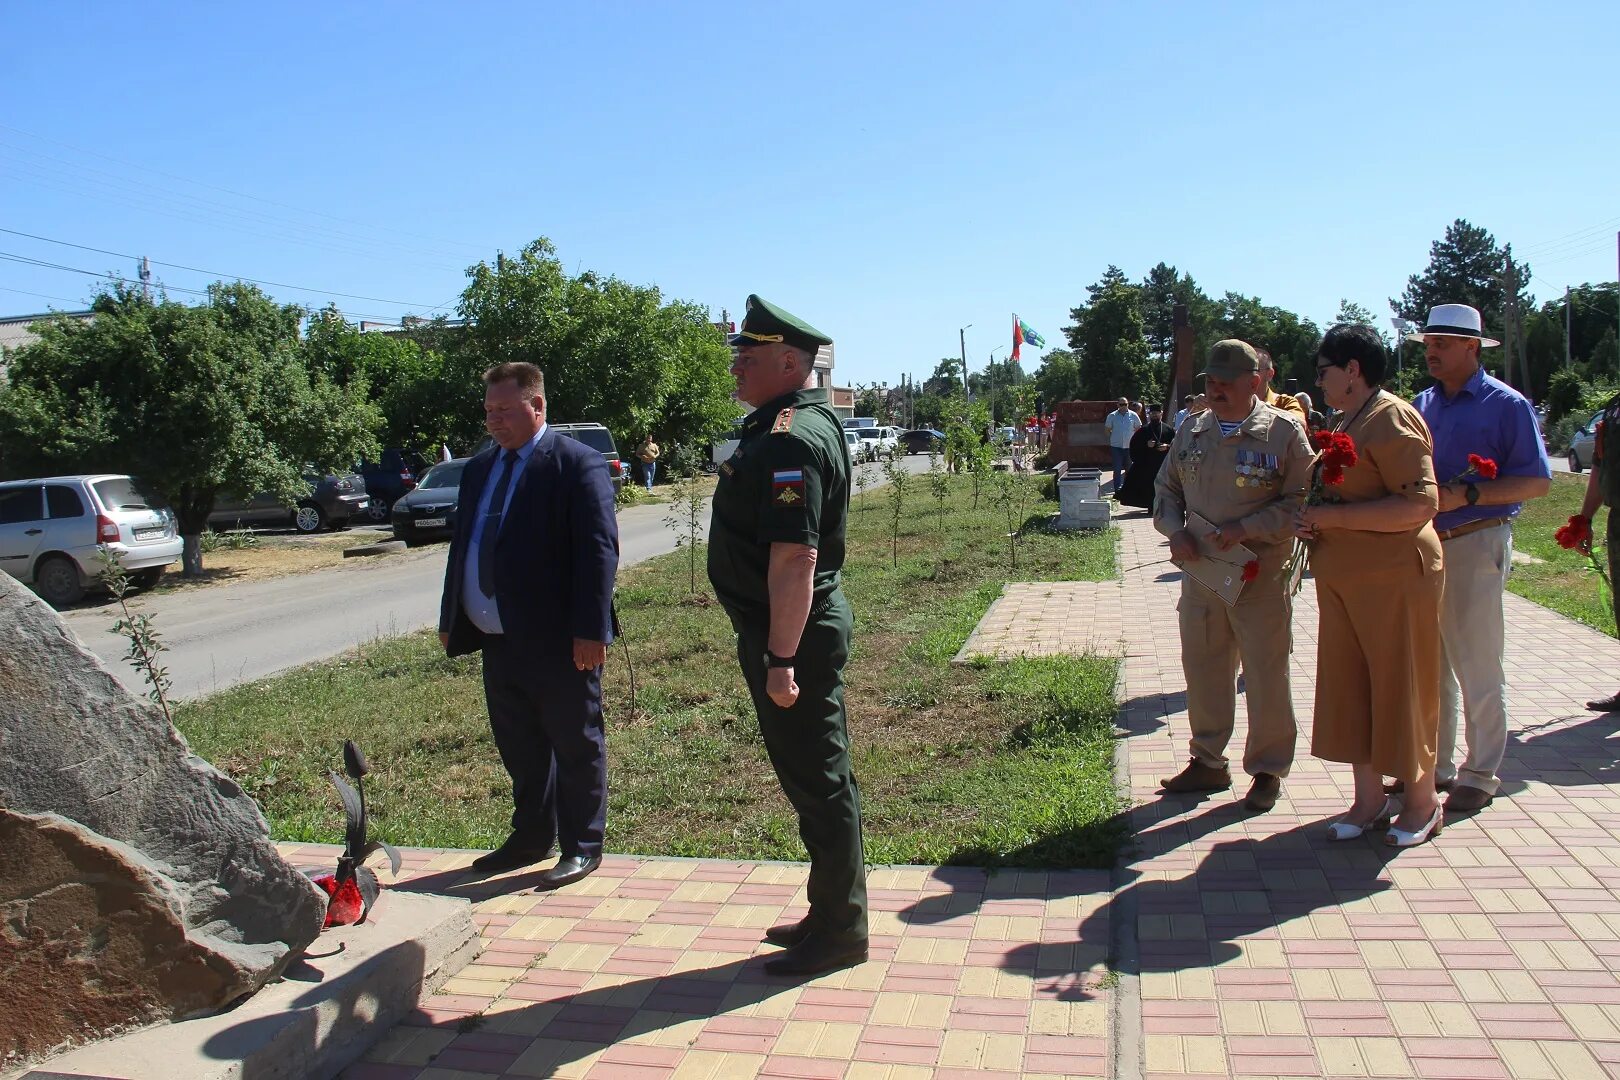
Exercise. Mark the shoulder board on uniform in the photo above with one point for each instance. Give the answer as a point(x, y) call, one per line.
point(784, 422)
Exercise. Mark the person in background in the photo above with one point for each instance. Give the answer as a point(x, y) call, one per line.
point(1181, 413)
point(1121, 425)
point(1148, 448)
point(1603, 489)
point(1314, 421)
point(647, 454)
point(1473, 414)
point(1379, 575)
point(1286, 402)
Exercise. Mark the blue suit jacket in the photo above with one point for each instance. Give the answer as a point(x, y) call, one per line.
point(555, 557)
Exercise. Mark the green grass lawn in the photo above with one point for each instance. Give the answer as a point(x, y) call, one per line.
point(988, 764)
point(1563, 581)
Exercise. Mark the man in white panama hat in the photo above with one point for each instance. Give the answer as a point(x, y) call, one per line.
point(1471, 413)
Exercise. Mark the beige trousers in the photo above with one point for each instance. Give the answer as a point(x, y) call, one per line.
point(1258, 629)
point(1472, 682)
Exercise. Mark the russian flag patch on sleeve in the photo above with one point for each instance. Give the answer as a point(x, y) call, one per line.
point(787, 487)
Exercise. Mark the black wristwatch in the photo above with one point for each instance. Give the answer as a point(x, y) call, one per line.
point(772, 660)
point(1471, 493)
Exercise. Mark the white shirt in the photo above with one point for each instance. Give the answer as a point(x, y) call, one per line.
point(482, 610)
point(1121, 426)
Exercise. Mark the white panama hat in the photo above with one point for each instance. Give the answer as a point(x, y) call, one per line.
point(1455, 320)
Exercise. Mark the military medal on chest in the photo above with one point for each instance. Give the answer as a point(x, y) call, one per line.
point(1190, 459)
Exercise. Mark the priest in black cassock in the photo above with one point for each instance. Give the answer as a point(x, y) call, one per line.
point(1149, 446)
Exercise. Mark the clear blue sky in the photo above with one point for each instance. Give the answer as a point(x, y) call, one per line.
point(890, 172)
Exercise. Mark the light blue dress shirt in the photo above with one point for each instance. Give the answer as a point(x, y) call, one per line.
point(482, 610)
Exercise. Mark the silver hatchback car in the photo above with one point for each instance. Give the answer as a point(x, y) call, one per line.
point(51, 530)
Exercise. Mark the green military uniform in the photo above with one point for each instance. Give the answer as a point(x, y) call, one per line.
point(788, 482)
point(1606, 460)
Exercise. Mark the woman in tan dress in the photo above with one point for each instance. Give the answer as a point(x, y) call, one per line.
point(1379, 577)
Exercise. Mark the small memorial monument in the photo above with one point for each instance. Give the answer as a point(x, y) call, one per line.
point(138, 884)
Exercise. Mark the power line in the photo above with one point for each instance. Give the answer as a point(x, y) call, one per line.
point(214, 273)
point(109, 276)
point(159, 205)
point(1584, 235)
point(39, 295)
point(229, 191)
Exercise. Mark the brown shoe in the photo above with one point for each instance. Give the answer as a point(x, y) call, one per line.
point(1263, 792)
point(1465, 800)
point(1197, 777)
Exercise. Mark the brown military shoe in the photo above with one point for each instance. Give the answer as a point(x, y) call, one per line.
point(1197, 777)
point(1263, 792)
point(1465, 800)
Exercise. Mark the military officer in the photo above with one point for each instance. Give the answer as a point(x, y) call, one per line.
point(776, 546)
point(1244, 466)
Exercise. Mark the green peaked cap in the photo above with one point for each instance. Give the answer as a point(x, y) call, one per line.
point(765, 322)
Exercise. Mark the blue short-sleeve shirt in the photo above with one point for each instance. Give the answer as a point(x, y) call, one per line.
point(1489, 418)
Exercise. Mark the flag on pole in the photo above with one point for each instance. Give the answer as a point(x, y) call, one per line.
point(1024, 334)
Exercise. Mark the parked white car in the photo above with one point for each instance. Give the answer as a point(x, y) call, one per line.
point(726, 447)
point(51, 530)
point(857, 449)
point(877, 442)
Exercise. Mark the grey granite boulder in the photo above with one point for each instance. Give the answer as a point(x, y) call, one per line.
point(156, 827)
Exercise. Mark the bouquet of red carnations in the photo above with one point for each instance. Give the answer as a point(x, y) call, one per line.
point(1336, 452)
point(1576, 535)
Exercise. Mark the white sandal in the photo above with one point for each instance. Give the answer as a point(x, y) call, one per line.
point(1402, 838)
point(1348, 830)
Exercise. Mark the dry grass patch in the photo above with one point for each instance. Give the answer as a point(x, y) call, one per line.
point(271, 557)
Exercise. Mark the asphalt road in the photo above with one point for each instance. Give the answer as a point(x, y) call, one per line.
point(219, 636)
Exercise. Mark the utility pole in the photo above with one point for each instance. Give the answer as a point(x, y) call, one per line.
point(1566, 327)
point(961, 336)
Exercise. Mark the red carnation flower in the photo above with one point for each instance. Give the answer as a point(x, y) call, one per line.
point(1332, 473)
point(1251, 569)
point(1322, 439)
point(1484, 466)
point(1575, 533)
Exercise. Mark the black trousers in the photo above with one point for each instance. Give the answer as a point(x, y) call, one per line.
point(547, 719)
point(809, 748)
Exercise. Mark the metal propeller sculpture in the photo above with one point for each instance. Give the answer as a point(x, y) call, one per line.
point(352, 889)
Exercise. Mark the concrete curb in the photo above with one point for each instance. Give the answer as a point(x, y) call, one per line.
point(357, 983)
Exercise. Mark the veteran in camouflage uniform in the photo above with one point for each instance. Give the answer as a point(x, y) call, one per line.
point(776, 546)
point(1244, 466)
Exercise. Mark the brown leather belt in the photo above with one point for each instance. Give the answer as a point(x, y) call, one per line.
point(1472, 526)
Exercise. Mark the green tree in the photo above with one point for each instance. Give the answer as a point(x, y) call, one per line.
point(1058, 378)
point(1107, 336)
point(1353, 314)
point(612, 352)
point(1465, 267)
point(196, 401)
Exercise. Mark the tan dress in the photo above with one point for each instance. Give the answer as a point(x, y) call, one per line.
point(1378, 644)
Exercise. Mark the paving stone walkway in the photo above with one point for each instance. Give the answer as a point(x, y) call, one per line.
point(1245, 945)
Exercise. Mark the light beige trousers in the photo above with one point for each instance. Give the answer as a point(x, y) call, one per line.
point(1473, 686)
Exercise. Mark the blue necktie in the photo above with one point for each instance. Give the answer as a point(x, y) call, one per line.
point(492, 526)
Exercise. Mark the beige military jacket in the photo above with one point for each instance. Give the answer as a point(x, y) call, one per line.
point(1259, 476)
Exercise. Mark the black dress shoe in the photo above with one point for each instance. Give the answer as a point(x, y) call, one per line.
point(569, 869)
point(513, 855)
point(789, 934)
point(1608, 704)
point(818, 953)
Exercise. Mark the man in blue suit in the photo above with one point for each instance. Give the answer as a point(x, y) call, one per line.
point(530, 582)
